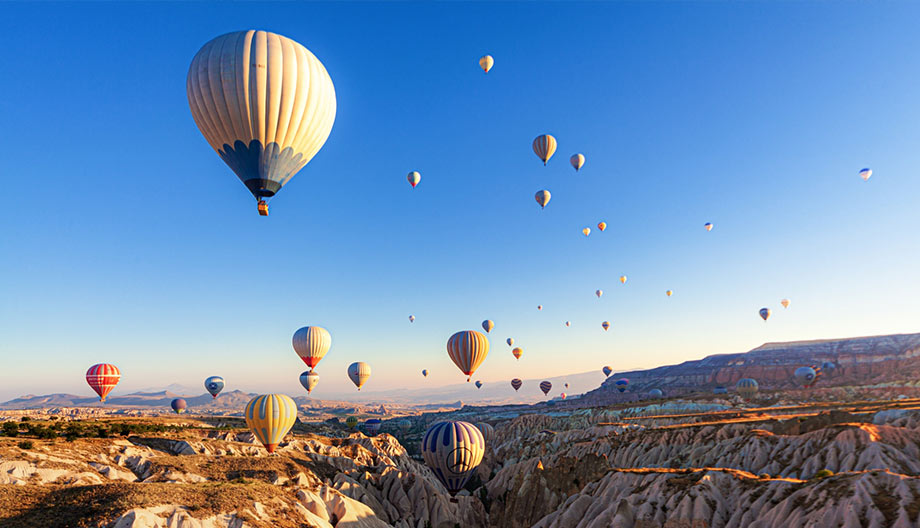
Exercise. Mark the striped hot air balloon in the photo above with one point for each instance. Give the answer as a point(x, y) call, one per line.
point(622, 279)
point(214, 385)
point(605, 325)
point(311, 343)
point(586, 231)
point(516, 384)
point(453, 450)
point(517, 352)
point(102, 378)
point(621, 384)
point(414, 177)
point(178, 405)
point(599, 293)
point(543, 197)
point(372, 426)
point(270, 417)
point(478, 384)
point(764, 313)
point(359, 372)
point(425, 372)
point(544, 147)
point(708, 226)
point(865, 174)
point(607, 371)
point(468, 349)
point(563, 395)
point(309, 379)
point(577, 161)
point(486, 62)
point(488, 432)
point(510, 341)
point(546, 386)
point(264, 103)
point(747, 387)
point(488, 325)
point(655, 394)
point(602, 225)
point(351, 422)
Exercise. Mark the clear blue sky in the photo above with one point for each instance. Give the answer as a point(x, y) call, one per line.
point(125, 239)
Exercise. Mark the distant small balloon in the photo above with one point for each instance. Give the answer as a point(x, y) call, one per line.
point(542, 198)
point(607, 371)
point(488, 325)
point(602, 225)
point(510, 341)
point(411, 318)
point(805, 376)
point(655, 393)
point(621, 384)
point(785, 303)
point(567, 385)
point(562, 395)
point(544, 147)
point(358, 373)
point(351, 422)
point(568, 324)
point(546, 386)
point(605, 325)
point(486, 63)
point(517, 352)
point(764, 313)
point(599, 293)
point(425, 373)
point(865, 174)
point(708, 226)
point(179, 405)
point(214, 385)
point(414, 177)
point(586, 231)
point(539, 307)
point(309, 380)
point(372, 426)
point(669, 293)
point(622, 279)
point(516, 384)
point(577, 161)
point(747, 387)
point(478, 384)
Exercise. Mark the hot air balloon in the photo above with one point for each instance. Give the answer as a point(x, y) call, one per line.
point(468, 349)
point(599, 293)
point(542, 198)
point(351, 422)
point(865, 174)
point(747, 387)
point(309, 379)
point(488, 432)
point(102, 378)
point(539, 307)
point(372, 426)
point(516, 384)
point(358, 372)
point(577, 161)
point(785, 303)
point(540, 465)
point(764, 313)
point(518, 352)
point(411, 318)
point(621, 384)
point(414, 177)
point(568, 324)
point(655, 394)
point(828, 366)
point(602, 225)
point(425, 373)
point(567, 385)
point(178, 405)
point(562, 395)
point(214, 385)
point(488, 325)
point(510, 341)
point(478, 384)
point(607, 371)
point(486, 62)
point(586, 231)
point(805, 376)
point(264, 103)
point(544, 147)
point(453, 450)
point(669, 293)
point(605, 325)
point(546, 386)
point(270, 417)
point(622, 279)
point(405, 424)
point(708, 226)
point(311, 343)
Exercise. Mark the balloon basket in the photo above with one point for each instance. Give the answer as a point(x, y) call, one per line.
point(263, 208)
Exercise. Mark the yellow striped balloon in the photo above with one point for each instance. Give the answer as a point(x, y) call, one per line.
point(468, 349)
point(264, 103)
point(270, 417)
point(577, 161)
point(359, 372)
point(311, 343)
point(486, 63)
point(544, 147)
point(542, 197)
point(517, 352)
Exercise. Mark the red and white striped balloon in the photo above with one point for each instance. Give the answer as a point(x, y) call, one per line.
point(468, 349)
point(102, 378)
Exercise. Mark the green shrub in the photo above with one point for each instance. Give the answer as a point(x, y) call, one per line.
point(10, 429)
point(25, 444)
point(824, 473)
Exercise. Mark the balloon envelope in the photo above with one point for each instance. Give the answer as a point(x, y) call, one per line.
point(747, 387)
point(478, 384)
point(373, 425)
point(805, 376)
point(270, 417)
point(351, 422)
point(510, 341)
point(488, 325)
point(669, 293)
point(264, 103)
point(468, 349)
point(621, 384)
point(309, 380)
point(425, 373)
point(179, 405)
point(623, 279)
point(586, 231)
point(602, 226)
point(214, 385)
point(542, 197)
point(358, 373)
point(764, 313)
point(708, 226)
point(607, 371)
point(414, 177)
point(411, 318)
point(516, 384)
point(865, 174)
point(785, 303)
point(488, 432)
point(311, 343)
point(453, 450)
point(655, 393)
point(605, 325)
point(577, 161)
point(486, 63)
point(518, 352)
point(544, 147)
point(102, 378)
point(546, 386)
point(599, 293)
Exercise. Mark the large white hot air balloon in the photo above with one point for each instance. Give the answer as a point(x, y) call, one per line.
point(264, 103)
point(311, 343)
point(358, 373)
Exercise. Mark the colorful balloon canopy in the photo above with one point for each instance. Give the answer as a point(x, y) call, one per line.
point(764, 313)
point(425, 372)
point(602, 225)
point(358, 373)
point(542, 197)
point(178, 405)
point(622, 279)
point(102, 378)
point(411, 318)
point(577, 161)
point(562, 395)
point(708, 226)
point(510, 341)
point(414, 177)
point(567, 385)
point(372, 425)
point(486, 62)
point(517, 352)
point(669, 293)
point(568, 324)
point(214, 385)
point(785, 303)
point(621, 384)
point(468, 349)
point(655, 394)
point(586, 231)
point(270, 417)
point(539, 307)
point(516, 384)
point(311, 343)
point(264, 103)
point(546, 386)
point(865, 174)
point(351, 422)
point(599, 293)
point(488, 432)
point(478, 384)
point(453, 450)
point(544, 147)
point(607, 371)
point(605, 325)
point(805, 376)
point(747, 387)
point(488, 325)
point(309, 379)
point(405, 424)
